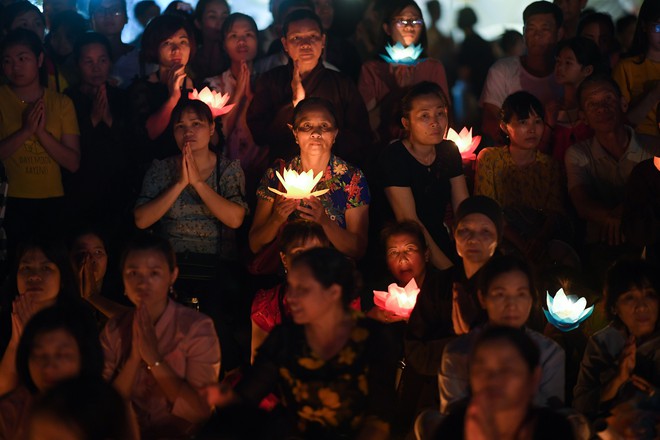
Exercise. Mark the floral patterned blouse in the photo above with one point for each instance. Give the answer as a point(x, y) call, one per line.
point(348, 187)
point(538, 186)
point(326, 399)
point(189, 224)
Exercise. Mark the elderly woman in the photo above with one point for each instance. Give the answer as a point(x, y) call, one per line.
point(422, 173)
point(334, 368)
point(342, 212)
point(282, 88)
point(507, 294)
point(622, 361)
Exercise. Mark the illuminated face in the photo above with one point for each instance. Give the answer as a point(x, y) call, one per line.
point(405, 258)
point(428, 120)
point(213, 17)
point(91, 246)
point(193, 129)
point(31, 21)
point(20, 65)
point(601, 107)
point(94, 64)
point(541, 34)
point(308, 300)
point(54, 356)
point(304, 41)
point(315, 131)
point(568, 70)
point(476, 238)
point(38, 277)
point(174, 51)
point(241, 41)
point(500, 375)
point(508, 301)
point(525, 133)
point(147, 278)
point(109, 18)
point(326, 12)
point(406, 27)
point(638, 310)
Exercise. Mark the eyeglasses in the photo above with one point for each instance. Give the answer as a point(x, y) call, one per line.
point(109, 12)
point(413, 22)
point(655, 28)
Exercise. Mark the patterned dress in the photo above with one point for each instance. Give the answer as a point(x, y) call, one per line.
point(347, 187)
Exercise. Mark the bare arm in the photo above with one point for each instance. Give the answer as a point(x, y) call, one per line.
point(268, 217)
point(229, 213)
point(258, 338)
point(403, 204)
point(351, 241)
point(65, 152)
point(11, 144)
point(459, 191)
point(152, 211)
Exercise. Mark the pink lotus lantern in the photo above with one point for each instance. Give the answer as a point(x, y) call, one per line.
point(299, 186)
point(465, 142)
point(398, 300)
point(216, 101)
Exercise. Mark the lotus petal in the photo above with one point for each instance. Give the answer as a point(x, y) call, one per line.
point(398, 300)
point(299, 186)
point(566, 312)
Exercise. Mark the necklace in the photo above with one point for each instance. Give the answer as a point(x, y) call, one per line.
point(426, 160)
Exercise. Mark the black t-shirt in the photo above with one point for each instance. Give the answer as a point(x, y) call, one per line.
point(429, 184)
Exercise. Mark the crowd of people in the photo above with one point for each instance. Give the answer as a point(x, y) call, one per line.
point(161, 280)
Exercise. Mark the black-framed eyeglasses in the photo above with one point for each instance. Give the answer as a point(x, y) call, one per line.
point(415, 22)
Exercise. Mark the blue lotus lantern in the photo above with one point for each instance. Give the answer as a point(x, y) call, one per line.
point(398, 54)
point(566, 312)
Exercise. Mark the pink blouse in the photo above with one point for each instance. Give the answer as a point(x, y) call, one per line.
point(188, 344)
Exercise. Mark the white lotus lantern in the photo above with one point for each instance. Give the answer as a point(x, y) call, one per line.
point(299, 186)
point(566, 312)
point(465, 142)
point(398, 54)
point(216, 101)
point(398, 300)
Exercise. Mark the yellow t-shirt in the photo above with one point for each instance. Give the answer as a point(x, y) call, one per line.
point(635, 81)
point(32, 173)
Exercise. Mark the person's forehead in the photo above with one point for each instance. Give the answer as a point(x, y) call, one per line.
point(305, 25)
point(540, 19)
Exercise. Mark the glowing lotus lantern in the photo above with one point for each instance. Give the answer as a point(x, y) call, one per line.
point(299, 186)
point(566, 312)
point(398, 300)
point(465, 142)
point(402, 55)
point(216, 101)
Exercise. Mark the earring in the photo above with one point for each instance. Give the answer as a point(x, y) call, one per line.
point(171, 290)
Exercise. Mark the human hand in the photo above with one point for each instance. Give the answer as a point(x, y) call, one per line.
point(296, 85)
point(383, 315)
point(610, 230)
point(146, 334)
point(22, 311)
point(41, 121)
point(218, 394)
point(175, 79)
point(283, 207)
point(184, 178)
point(313, 210)
point(480, 419)
point(460, 316)
point(243, 88)
point(402, 74)
point(627, 359)
point(32, 117)
point(194, 177)
point(103, 97)
point(87, 283)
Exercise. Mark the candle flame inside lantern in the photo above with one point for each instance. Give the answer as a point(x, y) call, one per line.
point(398, 300)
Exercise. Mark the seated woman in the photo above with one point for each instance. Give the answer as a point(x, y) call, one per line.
point(453, 307)
point(43, 278)
point(269, 307)
point(58, 343)
point(282, 88)
point(422, 173)
point(505, 369)
point(334, 369)
point(168, 41)
point(577, 58)
point(507, 294)
point(622, 362)
point(159, 354)
point(382, 84)
point(342, 212)
point(99, 191)
point(527, 184)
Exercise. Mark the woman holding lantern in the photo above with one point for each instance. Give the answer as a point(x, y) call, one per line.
point(384, 81)
point(422, 173)
point(341, 205)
